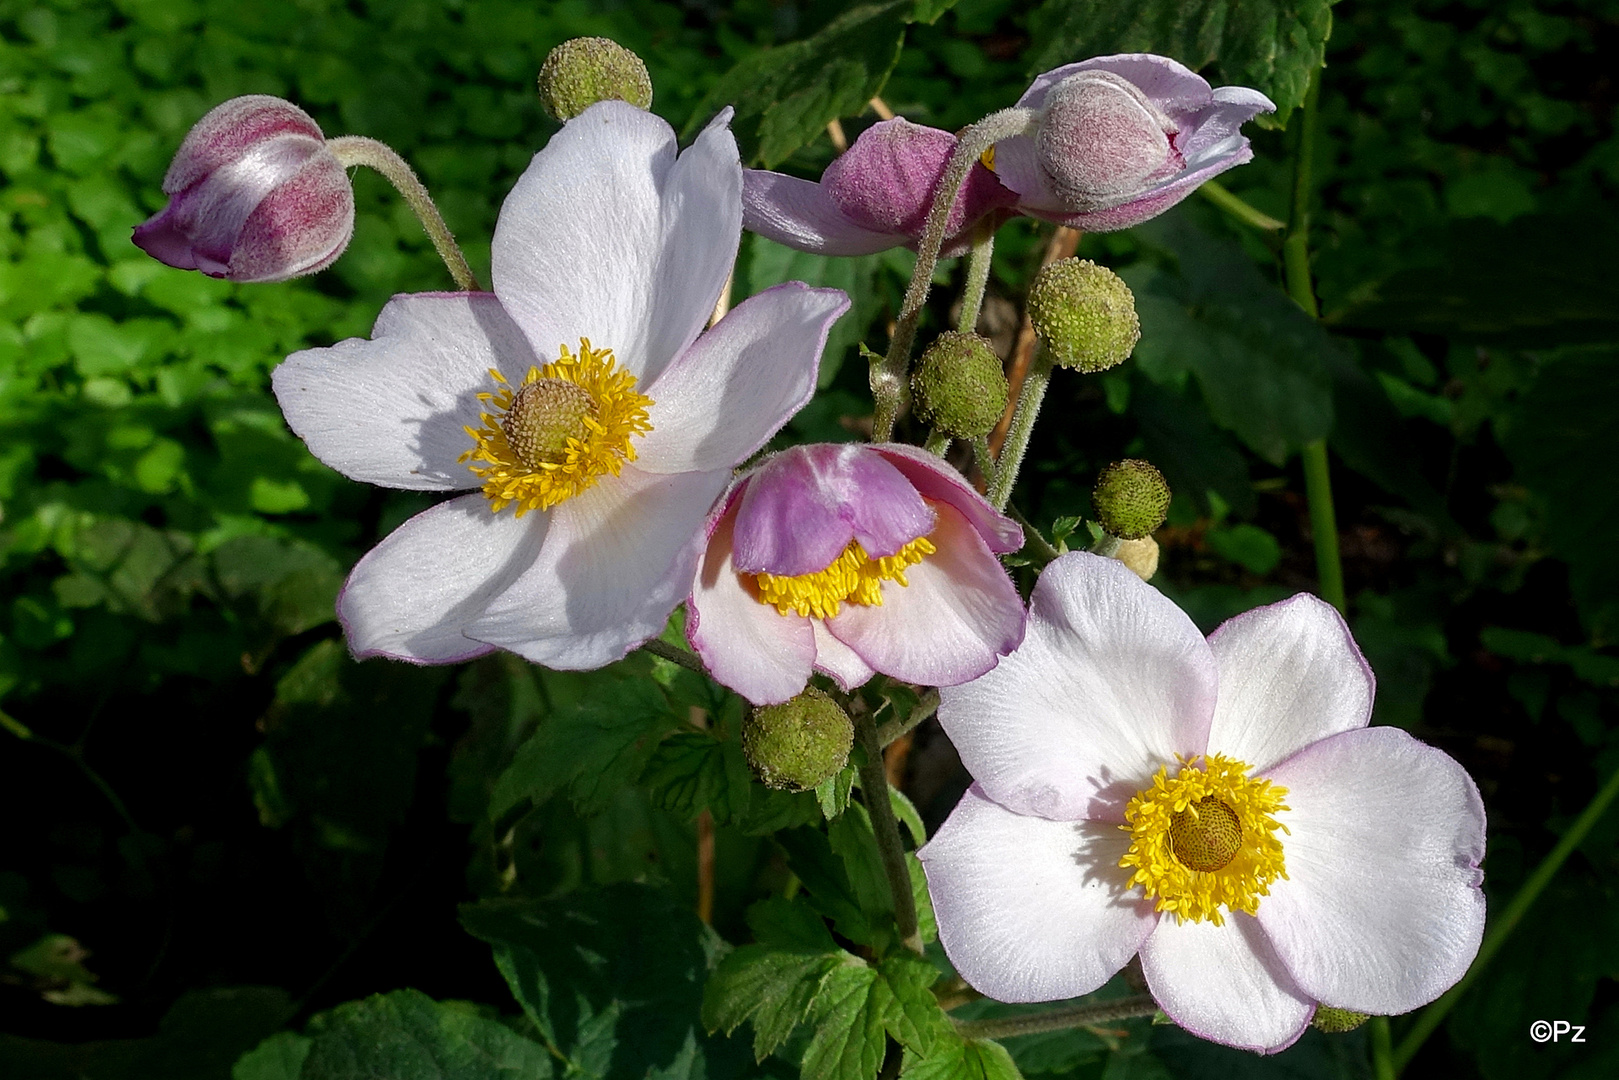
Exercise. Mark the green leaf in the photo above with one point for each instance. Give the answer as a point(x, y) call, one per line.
point(692, 770)
point(859, 1006)
point(769, 264)
point(785, 96)
point(906, 811)
point(590, 749)
point(826, 878)
point(774, 982)
point(406, 1035)
point(612, 977)
point(280, 1057)
point(955, 1058)
point(833, 792)
point(1270, 45)
point(1249, 546)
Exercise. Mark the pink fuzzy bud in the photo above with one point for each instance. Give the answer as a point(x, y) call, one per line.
point(1102, 141)
point(254, 195)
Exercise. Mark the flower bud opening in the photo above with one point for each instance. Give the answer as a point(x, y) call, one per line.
point(1085, 314)
point(798, 744)
point(543, 416)
point(1206, 835)
point(1101, 141)
point(1131, 499)
point(959, 385)
point(582, 71)
point(1337, 1021)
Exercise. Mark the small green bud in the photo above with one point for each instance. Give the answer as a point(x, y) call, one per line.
point(1337, 1021)
point(1085, 314)
point(582, 71)
point(959, 385)
point(798, 744)
point(1131, 498)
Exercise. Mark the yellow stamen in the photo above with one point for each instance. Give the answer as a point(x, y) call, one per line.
point(1203, 842)
point(854, 577)
point(987, 158)
point(566, 439)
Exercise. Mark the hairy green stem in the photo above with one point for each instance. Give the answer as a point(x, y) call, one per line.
point(938, 443)
point(1017, 436)
point(359, 150)
point(874, 789)
point(674, 654)
point(926, 706)
point(1431, 1017)
point(1101, 1012)
point(1245, 212)
point(986, 461)
point(978, 260)
point(1324, 523)
point(1033, 540)
point(888, 376)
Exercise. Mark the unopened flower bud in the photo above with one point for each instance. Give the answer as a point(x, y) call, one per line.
point(1336, 1021)
point(1140, 556)
point(959, 385)
point(1102, 141)
point(798, 744)
point(1131, 499)
point(255, 195)
point(1085, 314)
point(582, 71)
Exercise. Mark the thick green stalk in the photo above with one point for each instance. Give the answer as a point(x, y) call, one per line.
point(874, 786)
point(1431, 1017)
point(1100, 1012)
point(1221, 196)
point(972, 295)
point(359, 150)
point(1017, 436)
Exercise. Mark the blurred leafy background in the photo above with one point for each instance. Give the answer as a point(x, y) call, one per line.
point(217, 827)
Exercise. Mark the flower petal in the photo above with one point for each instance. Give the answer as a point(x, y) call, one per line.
point(1169, 83)
point(1155, 200)
point(748, 646)
point(834, 658)
point(412, 595)
point(391, 410)
point(723, 398)
point(608, 237)
point(955, 619)
point(1290, 674)
point(1225, 983)
point(1381, 911)
point(804, 505)
point(1112, 681)
point(800, 214)
point(934, 479)
point(617, 560)
point(1030, 909)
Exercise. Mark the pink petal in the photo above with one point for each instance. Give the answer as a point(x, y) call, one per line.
point(1290, 674)
point(1381, 911)
point(1225, 984)
point(934, 479)
point(1030, 909)
point(800, 214)
point(834, 658)
point(1111, 682)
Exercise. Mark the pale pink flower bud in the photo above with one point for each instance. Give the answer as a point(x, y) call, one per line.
point(254, 195)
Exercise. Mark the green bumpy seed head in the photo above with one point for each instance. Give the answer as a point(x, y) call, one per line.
point(1085, 314)
point(1337, 1021)
point(1131, 499)
point(582, 71)
point(959, 385)
point(798, 744)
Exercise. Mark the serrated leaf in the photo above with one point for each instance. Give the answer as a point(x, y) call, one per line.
point(955, 1058)
point(926, 925)
point(906, 812)
point(857, 1009)
point(1271, 45)
point(774, 982)
point(786, 95)
point(406, 1035)
point(692, 770)
point(826, 879)
point(855, 843)
point(833, 792)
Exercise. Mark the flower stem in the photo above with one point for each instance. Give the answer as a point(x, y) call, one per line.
point(1058, 1019)
point(985, 460)
point(675, 655)
point(359, 150)
point(1017, 436)
point(978, 260)
point(1221, 196)
point(1431, 1017)
point(888, 377)
point(874, 788)
point(938, 443)
point(1042, 553)
point(926, 706)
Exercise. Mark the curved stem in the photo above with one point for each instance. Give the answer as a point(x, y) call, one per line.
point(972, 295)
point(926, 706)
point(938, 443)
point(359, 150)
point(888, 377)
point(674, 654)
point(1245, 212)
point(1017, 437)
point(1058, 1019)
point(874, 790)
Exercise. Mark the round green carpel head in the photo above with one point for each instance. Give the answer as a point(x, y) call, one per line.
point(1085, 314)
point(582, 71)
point(1336, 1021)
point(1131, 499)
point(798, 744)
point(959, 385)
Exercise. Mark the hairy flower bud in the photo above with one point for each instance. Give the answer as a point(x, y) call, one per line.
point(1131, 499)
point(1335, 1021)
point(255, 195)
point(1101, 141)
point(959, 385)
point(1085, 313)
point(798, 744)
point(582, 71)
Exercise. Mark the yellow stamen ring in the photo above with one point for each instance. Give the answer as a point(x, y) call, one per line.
point(853, 578)
point(568, 423)
point(1204, 841)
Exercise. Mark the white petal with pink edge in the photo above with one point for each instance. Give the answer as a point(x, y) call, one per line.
point(1381, 911)
point(834, 658)
point(1111, 682)
point(1030, 909)
point(800, 214)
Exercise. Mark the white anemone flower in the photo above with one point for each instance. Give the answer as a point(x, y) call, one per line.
point(581, 398)
point(1217, 806)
